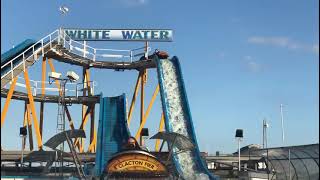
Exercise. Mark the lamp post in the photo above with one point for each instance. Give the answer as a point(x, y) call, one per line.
point(239, 137)
point(72, 77)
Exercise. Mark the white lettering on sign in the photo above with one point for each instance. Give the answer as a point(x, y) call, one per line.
point(119, 34)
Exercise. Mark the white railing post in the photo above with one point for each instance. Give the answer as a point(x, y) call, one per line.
point(11, 70)
point(84, 48)
point(24, 63)
point(42, 49)
point(35, 89)
point(131, 56)
point(59, 36)
point(50, 39)
point(64, 40)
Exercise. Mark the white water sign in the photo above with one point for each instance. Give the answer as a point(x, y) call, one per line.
point(164, 35)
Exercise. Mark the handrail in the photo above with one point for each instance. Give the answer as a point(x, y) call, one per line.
point(73, 86)
point(73, 45)
point(34, 53)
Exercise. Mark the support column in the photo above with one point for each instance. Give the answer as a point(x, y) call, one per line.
point(25, 122)
point(29, 127)
point(136, 90)
point(33, 110)
point(41, 118)
point(8, 100)
point(69, 118)
point(92, 124)
point(143, 81)
point(155, 93)
point(43, 76)
point(160, 129)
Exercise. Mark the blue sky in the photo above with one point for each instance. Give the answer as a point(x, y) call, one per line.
point(240, 61)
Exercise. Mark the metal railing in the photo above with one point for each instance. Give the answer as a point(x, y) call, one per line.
point(26, 54)
point(81, 49)
point(72, 89)
point(84, 50)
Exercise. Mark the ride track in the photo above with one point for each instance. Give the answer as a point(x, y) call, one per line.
point(176, 112)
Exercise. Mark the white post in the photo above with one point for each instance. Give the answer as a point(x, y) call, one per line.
point(23, 139)
point(84, 48)
point(239, 154)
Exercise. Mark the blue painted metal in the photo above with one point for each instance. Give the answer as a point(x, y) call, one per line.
point(10, 54)
point(195, 157)
point(113, 130)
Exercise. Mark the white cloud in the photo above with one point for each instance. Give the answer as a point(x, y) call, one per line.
point(132, 3)
point(252, 64)
point(248, 57)
point(284, 42)
point(277, 41)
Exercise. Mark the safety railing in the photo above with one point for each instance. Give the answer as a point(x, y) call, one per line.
point(84, 50)
point(32, 51)
point(72, 89)
point(81, 49)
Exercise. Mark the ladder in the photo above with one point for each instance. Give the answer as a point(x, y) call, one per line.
point(75, 157)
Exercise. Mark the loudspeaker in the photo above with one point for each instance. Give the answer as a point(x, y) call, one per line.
point(23, 131)
point(144, 132)
point(239, 133)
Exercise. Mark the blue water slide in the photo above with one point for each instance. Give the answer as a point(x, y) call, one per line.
point(16, 51)
point(113, 130)
point(178, 119)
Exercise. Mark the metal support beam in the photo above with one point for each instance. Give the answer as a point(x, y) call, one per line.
point(92, 124)
point(160, 129)
point(29, 127)
point(136, 90)
point(41, 118)
point(69, 118)
point(25, 122)
point(53, 70)
point(92, 146)
point(85, 109)
point(8, 100)
point(83, 123)
point(143, 81)
point(155, 93)
point(43, 76)
point(33, 110)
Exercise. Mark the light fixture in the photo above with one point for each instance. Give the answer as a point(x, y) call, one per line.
point(72, 76)
point(54, 75)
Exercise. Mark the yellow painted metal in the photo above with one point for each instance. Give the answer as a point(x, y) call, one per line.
point(43, 76)
point(155, 93)
point(25, 117)
point(136, 90)
point(83, 123)
point(86, 85)
point(160, 129)
point(33, 110)
point(93, 143)
point(53, 70)
point(8, 100)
